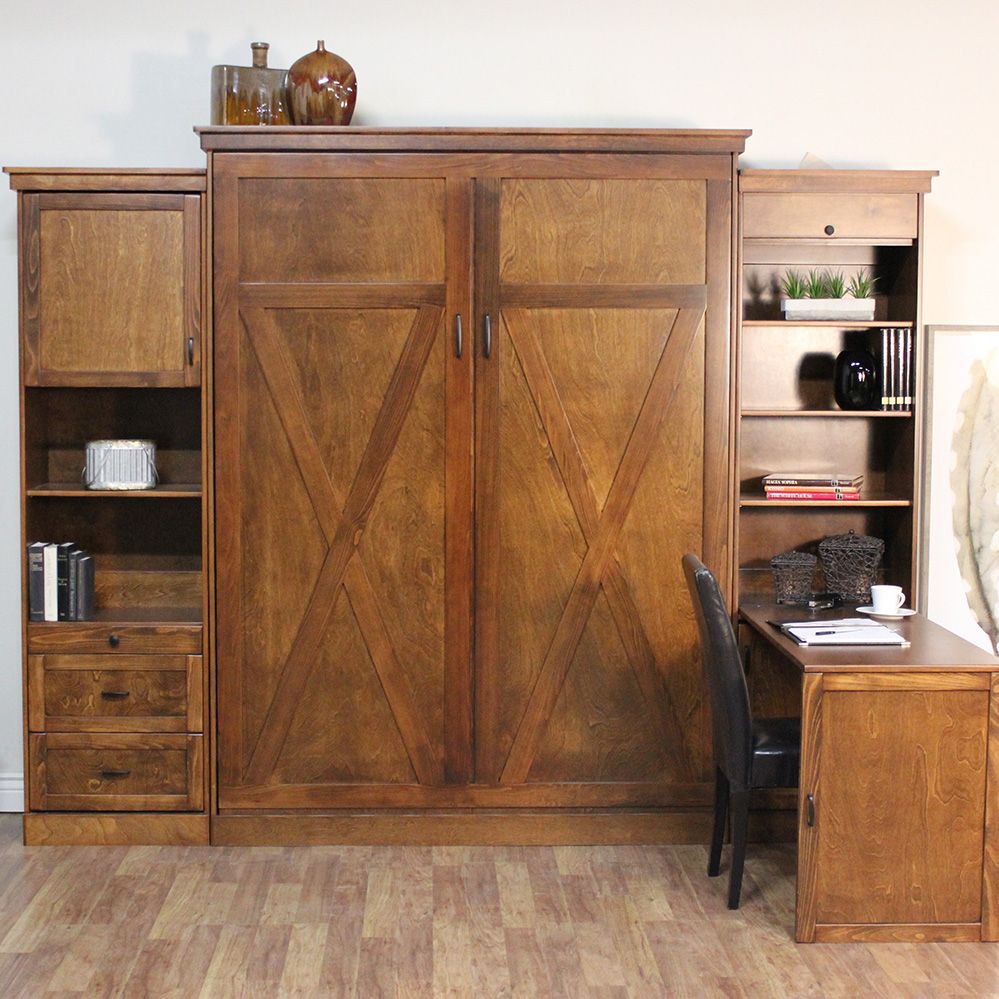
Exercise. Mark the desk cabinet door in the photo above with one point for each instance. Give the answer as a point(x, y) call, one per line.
point(893, 782)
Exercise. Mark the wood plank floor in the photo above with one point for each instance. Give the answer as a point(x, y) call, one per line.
point(572, 922)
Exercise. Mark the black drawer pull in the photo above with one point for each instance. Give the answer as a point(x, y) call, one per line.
point(113, 640)
point(830, 229)
point(190, 351)
point(114, 695)
point(809, 810)
point(114, 774)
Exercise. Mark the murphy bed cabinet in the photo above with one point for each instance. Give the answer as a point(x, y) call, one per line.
point(471, 406)
point(843, 221)
point(112, 304)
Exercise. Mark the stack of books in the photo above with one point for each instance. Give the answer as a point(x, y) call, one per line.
point(812, 486)
point(897, 377)
point(60, 582)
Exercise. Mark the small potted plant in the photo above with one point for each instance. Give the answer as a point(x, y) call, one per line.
point(823, 295)
point(862, 289)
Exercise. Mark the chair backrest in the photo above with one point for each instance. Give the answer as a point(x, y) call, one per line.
point(731, 720)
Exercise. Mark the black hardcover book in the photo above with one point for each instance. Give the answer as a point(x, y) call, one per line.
point(910, 380)
point(892, 371)
point(74, 584)
point(62, 579)
point(884, 369)
point(85, 587)
point(904, 400)
point(36, 581)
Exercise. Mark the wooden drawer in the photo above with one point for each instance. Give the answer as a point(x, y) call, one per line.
point(851, 216)
point(94, 636)
point(115, 693)
point(115, 772)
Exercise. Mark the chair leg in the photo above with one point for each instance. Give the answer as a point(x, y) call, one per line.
point(740, 821)
point(718, 828)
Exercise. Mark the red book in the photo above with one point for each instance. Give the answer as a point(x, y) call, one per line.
point(812, 494)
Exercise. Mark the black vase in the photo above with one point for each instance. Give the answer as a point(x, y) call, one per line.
point(855, 380)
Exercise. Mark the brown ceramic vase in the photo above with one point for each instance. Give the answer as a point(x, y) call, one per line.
point(322, 89)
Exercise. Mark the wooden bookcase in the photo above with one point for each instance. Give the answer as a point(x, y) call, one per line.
point(788, 420)
point(112, 296)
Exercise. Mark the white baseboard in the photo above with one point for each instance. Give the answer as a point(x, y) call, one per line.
point(11, 792)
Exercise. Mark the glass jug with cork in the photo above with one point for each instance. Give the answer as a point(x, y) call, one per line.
point(250, 95)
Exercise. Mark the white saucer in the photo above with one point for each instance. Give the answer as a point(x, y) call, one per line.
point(898, 615)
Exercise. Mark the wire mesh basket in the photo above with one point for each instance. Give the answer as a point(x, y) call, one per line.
point(850, 562)
point(793, 575)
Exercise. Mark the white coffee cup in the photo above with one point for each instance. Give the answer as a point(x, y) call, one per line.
point(887, 599)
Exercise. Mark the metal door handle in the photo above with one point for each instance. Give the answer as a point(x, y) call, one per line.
point(487, 336)
point(457, 334)
point(809, 810)
point(190, 351)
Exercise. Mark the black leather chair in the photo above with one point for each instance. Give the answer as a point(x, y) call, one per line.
point(748, 753)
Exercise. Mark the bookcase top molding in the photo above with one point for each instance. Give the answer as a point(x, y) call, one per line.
point(836, 181)
point(141, 179)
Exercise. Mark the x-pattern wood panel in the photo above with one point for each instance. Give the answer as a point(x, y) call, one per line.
point(601, 529)
point(342, 520)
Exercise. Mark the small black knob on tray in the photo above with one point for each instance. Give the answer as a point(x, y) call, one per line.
point(113, 640)
point(830, 229)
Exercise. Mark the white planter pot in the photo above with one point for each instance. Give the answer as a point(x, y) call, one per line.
point(843, 309)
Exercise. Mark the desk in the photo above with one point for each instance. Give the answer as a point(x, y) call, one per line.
point(898, 807)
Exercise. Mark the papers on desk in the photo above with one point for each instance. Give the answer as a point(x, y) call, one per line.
point(843, 631)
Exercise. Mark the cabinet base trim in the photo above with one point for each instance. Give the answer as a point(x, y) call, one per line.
point(510, 828)
point(896, 933)
point(71, 829)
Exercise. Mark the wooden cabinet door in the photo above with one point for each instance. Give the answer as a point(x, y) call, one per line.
point(111, 289)
point(893, 792)
point(343, 449)
point(601, 403)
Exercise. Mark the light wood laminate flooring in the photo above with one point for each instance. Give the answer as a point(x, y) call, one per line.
point(574, 922)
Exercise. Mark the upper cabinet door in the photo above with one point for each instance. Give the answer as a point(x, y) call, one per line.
point(111, 289)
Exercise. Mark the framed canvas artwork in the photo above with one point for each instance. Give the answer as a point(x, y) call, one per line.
point(959, 562)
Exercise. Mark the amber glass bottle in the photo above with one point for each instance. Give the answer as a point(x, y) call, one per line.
point(250, 95)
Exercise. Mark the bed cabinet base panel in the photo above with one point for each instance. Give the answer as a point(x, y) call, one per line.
point(462, 829)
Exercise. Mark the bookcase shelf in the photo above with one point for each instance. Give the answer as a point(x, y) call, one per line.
point(825, 324)
point(174, 490)
point(864, 414)
point(762, 501)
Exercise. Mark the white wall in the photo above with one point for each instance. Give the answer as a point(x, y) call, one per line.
point(883, 83)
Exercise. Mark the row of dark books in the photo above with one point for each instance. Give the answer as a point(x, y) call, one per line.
point(812, 486)
point(60, 582)
point(897, 374)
